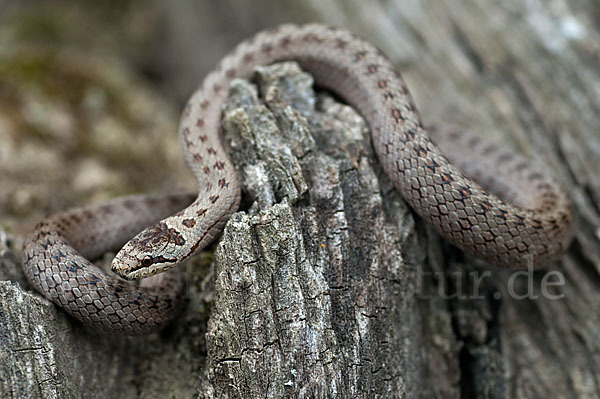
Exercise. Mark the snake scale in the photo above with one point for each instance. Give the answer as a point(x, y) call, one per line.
point(528, 219)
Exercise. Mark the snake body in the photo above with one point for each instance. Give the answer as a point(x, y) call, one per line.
point(528, 220)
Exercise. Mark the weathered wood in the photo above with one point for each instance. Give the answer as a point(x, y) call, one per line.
point(313, 289)
point(46, 354)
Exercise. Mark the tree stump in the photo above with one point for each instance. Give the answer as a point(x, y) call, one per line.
point(326, 284)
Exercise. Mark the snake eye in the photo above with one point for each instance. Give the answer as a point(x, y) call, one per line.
point(147, 261)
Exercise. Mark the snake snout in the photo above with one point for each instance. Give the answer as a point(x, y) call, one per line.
point(124, 264)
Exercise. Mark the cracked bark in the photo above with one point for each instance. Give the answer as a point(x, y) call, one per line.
point(313, 287)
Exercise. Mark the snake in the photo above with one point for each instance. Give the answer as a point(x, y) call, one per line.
point(484, 199)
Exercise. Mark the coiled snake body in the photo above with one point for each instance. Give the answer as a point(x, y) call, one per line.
point(528, 221)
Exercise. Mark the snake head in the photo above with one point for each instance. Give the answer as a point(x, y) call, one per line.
point(150, 252)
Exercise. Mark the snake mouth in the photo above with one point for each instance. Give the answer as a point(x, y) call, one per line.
point(148, 266)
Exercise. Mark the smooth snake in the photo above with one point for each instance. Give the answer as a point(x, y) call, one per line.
point(527, 220)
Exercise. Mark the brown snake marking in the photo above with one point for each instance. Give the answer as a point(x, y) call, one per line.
point(528, 220)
